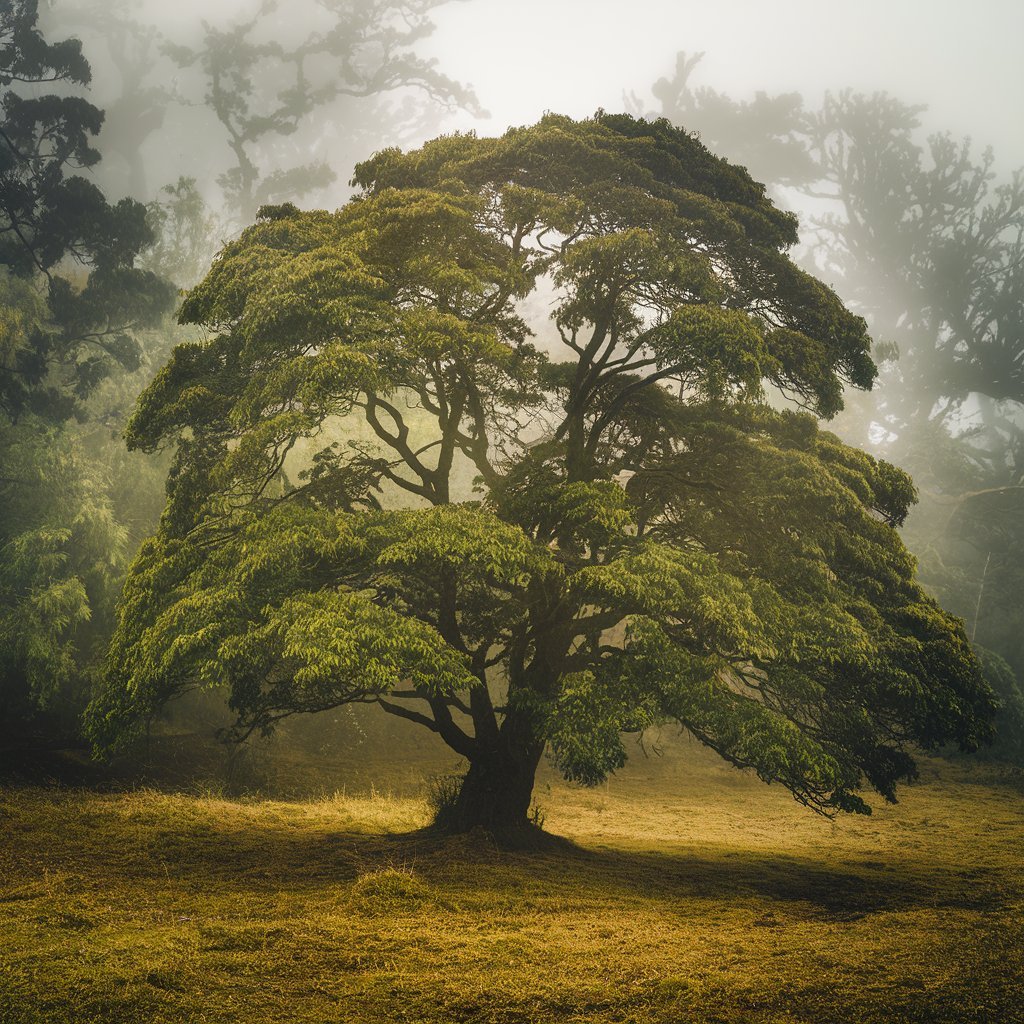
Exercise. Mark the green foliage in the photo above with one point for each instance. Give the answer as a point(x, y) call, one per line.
point(651, 542)
point(25, 56)
point(1010, 720)
point(53, 363)
point(60, 550)
point(925, 238)
point(72, 304)
point(183, 231)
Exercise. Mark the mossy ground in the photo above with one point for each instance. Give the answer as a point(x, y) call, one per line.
point(687, 892)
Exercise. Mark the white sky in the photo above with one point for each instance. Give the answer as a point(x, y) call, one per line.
point(961, 58)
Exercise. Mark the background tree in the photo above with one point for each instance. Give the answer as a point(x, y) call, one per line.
point(136, 87)
point(921, 238)
point(50, 219)
point(62, 553)
point(246, 86)
point(261, 84)
point(651, 541)
point(87, 289)
point(73, 302)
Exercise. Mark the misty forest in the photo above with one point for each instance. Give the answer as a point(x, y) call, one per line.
point(495, 532)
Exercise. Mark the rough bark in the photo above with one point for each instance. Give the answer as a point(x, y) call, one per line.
point(496, 792)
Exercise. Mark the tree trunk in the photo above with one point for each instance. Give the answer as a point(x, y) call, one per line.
point(495, 795)
point(496, 791)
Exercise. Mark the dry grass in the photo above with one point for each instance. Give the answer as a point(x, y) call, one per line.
point(688, 893)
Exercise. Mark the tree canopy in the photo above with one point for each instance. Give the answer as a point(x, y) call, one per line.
point(649, 535)
point(72, 301)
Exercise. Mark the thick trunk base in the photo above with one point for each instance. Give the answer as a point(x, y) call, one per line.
point(495, 797)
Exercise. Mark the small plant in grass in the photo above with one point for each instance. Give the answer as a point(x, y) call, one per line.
point(442, 794)
point(391, 889)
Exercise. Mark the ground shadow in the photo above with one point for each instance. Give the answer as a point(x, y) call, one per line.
point(258, 855)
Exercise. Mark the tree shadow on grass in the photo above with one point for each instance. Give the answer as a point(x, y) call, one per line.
point(254, 855)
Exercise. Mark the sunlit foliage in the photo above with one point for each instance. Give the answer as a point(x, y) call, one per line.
point(649, 541)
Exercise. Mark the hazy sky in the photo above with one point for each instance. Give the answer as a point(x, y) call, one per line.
point(572, 56)
point(962, 59)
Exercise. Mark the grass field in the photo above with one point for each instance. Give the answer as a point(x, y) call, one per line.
point(685, 891)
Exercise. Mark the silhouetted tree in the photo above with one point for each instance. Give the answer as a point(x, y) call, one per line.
point(130, 50)
point(765, 135)
point(59, 228)
point(261, 88)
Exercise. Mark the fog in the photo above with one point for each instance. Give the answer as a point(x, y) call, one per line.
point(572, 57)
point(503, 597)
point(962, 61)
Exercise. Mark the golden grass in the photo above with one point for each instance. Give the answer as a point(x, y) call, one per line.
point(688, 893)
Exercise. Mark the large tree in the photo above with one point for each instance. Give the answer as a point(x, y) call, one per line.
point(647, 537)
